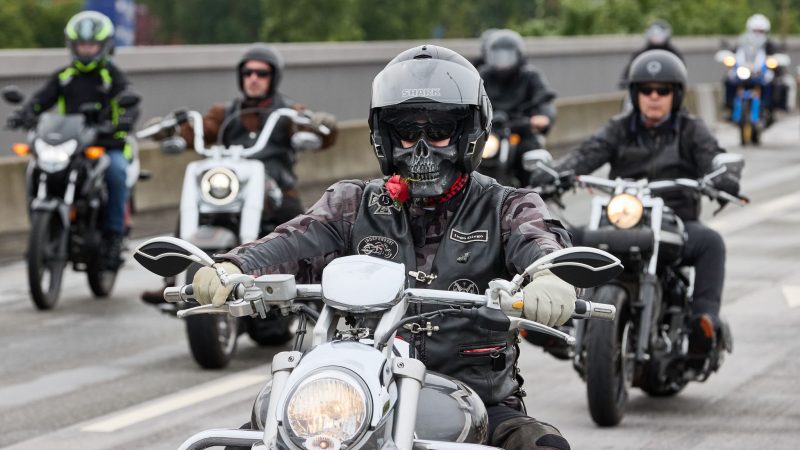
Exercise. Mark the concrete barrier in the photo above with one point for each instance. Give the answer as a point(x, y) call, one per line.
point(351, 157)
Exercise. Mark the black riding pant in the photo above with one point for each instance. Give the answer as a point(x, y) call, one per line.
point(705, 250)
point(512, 429)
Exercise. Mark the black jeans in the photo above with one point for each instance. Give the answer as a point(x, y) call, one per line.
point(705, 250)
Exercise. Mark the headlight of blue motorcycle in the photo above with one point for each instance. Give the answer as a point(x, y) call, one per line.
point(328, 409)
point(743, 73)
point(219, 186)
point(52, 158)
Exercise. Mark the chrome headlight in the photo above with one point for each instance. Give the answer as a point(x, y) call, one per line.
point(624, 211)
point(328, 409)
point(491, 147)
point(52, 158)
point(743, 72)
point(219, 186)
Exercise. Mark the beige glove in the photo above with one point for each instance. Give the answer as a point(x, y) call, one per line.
point(547, 299)
point(322, 118)
point(207, 286)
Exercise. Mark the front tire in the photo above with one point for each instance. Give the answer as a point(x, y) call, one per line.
point(609, 359)
point(212, 337)
point(101, 279)
point(46, 258)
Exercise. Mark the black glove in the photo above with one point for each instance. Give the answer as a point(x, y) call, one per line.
point(20, 119)
point(726, 183)
point(540, 177)
point(181, 116)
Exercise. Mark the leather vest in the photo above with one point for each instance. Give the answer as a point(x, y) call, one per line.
point(469, 256)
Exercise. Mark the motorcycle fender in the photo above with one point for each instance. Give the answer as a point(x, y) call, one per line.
point(213, 238)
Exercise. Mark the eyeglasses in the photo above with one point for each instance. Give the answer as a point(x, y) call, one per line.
point(432, 131)
point(260, 73)
point(661, 91)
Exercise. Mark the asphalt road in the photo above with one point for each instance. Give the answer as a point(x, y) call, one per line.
point(116, 374)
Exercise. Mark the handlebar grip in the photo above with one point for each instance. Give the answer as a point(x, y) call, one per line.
point(585, 309)
point(177, 294)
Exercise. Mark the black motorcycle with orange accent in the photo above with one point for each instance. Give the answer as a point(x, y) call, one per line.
point(67, 197)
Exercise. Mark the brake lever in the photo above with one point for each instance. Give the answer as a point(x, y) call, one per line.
point(517, 322)
point(204, 309)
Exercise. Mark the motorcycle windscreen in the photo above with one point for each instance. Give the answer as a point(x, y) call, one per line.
point(362, 283)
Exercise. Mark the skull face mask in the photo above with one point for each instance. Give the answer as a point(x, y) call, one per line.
point(425, 148)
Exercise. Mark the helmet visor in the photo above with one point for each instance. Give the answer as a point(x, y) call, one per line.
point(433, 122)
point(502, 58)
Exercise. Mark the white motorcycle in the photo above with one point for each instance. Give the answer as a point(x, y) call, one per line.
point(357, 387)
point(222, 203)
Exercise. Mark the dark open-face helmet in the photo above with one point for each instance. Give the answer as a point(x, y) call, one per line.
point(658, 66)
point(267, 54)
point(429, 118)
point(89, 27)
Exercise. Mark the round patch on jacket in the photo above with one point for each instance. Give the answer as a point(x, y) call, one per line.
point(464, 285)
point(379, 246)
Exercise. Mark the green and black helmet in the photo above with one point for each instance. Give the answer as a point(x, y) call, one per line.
point(89, 27)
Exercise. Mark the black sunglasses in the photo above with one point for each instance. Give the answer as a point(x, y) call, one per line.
point(260, 73)
point(433, 131)
point(661, 91)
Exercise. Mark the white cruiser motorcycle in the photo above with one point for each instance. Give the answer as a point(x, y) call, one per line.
point(357, 388)
point(221, 207)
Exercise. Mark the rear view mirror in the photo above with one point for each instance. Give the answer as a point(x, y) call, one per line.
point(127, 99)
point(173, 145)
point(169, 256)
point(532, 158)
point(306, 140)
point(582, 267)
point(12, 94)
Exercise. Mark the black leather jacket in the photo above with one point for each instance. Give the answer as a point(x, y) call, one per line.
point(521, 93)
point(681, 147)
point(487, 231)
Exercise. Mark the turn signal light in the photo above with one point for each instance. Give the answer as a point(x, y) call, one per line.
point(21, 149)
point(94, 152)
point(514, 139)
point(772, 63)
point(729, 61)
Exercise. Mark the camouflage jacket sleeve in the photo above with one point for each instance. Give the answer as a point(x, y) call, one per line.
point(306, 244)
point(529, 231)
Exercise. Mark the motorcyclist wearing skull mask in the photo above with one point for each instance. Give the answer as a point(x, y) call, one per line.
point(518, 89)
point(258, 75)
point(456, 228)
point(659, 140)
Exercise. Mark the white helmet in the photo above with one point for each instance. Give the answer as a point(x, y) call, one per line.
point(758, 23)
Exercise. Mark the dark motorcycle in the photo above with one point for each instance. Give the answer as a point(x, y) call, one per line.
point(501, 154)
point(646, 346)
point(67, 197)
point(224, 203)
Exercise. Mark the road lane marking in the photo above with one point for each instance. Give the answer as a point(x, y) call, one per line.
point(751, 215)
point(158, 407)
point(57, 384)
point(792, 295)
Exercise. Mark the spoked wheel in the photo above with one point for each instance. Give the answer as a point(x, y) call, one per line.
point(212, 337)
point(46, 258)
point(610, 363)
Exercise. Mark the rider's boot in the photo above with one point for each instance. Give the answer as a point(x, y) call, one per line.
point(156, 296)
point(704, 333)
point(113, 256)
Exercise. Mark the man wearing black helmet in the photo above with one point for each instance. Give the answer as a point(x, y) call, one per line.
point(519, 90)
point(456, 229)
point(92, 79)
point(258, 75)
point(659, 140)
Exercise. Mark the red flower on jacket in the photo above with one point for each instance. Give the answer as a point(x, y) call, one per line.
point(398, 189)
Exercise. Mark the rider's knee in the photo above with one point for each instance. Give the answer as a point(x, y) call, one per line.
point(527, 433)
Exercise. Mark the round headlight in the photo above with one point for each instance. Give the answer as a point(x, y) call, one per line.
point(491, 147)
point(624, 211)
point(328, 409)
point(219, 186)
point(743, 72)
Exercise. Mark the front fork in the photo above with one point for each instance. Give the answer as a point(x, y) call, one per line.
point(649, 302)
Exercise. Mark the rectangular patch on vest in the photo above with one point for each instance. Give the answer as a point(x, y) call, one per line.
point(472, 236)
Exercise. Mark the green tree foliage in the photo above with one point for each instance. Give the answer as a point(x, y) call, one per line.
point(206, 21)
point(35, 23)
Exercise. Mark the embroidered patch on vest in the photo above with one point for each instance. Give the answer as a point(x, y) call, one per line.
point(384, 202)
point(472, 236)
point(464, 285)
point(379, 246)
